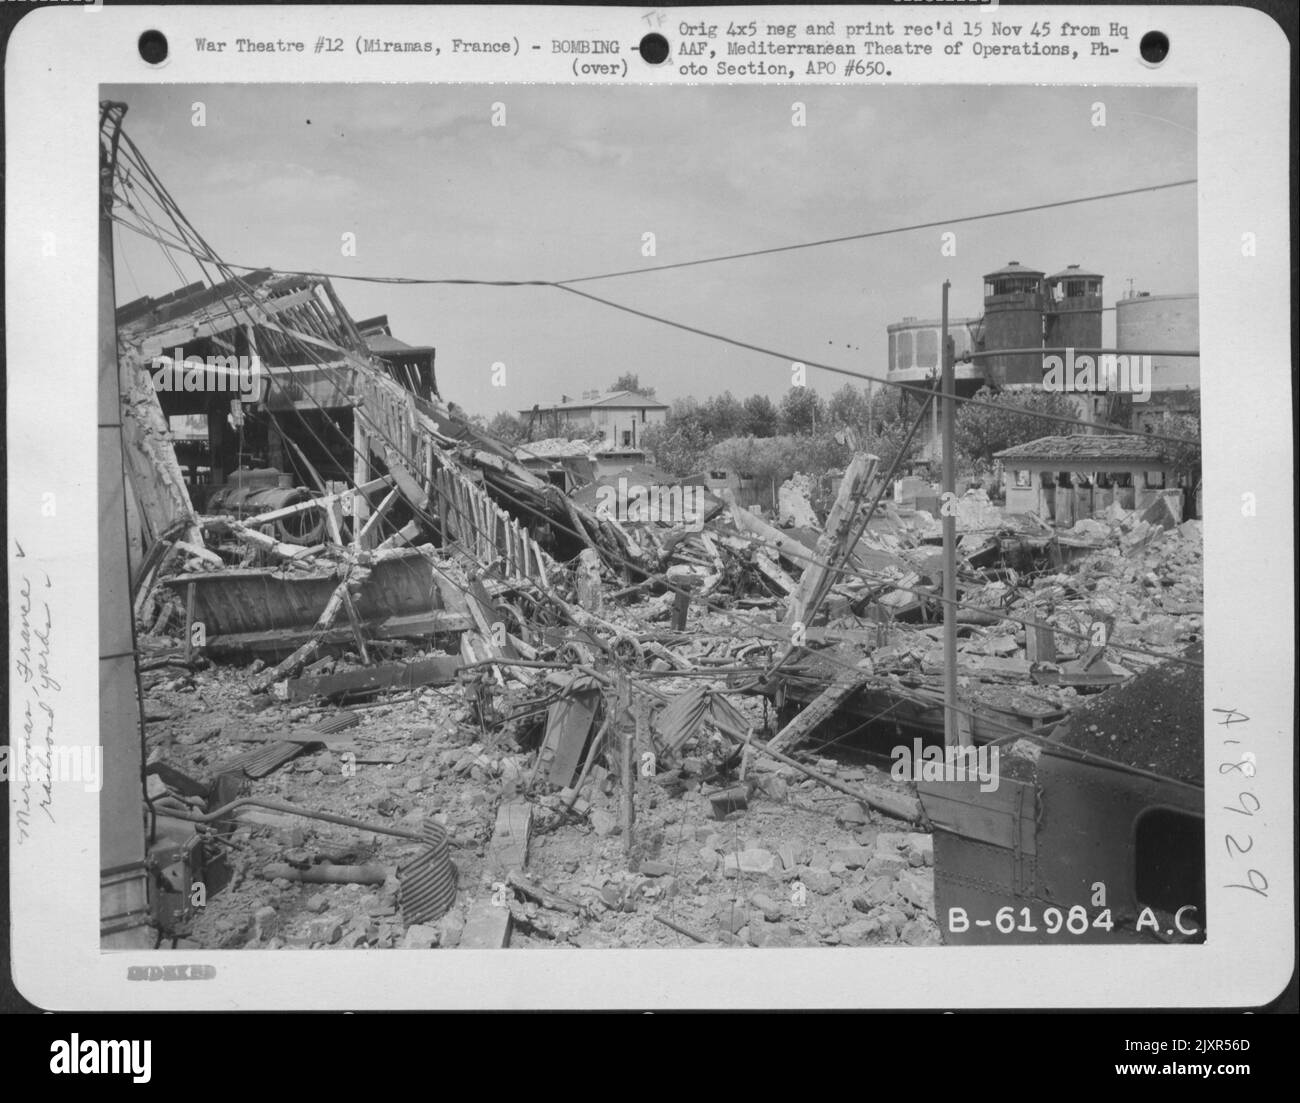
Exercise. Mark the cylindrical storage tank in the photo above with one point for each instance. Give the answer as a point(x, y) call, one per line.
point(1013, 319)
point(914, 346)
point(1168, 322)
point(1073, 309)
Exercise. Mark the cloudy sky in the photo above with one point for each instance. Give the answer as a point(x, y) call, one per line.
point(574, 179)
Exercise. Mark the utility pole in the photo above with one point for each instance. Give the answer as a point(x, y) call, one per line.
point(954, 734)
point(123, 878)
point(866, 447)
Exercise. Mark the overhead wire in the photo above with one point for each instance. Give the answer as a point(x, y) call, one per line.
point(910, 388)
point(182, 224)
point(567, 285)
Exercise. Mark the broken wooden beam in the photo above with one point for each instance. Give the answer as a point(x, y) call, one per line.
point(364, 534)
point(749, 522)
point(895, 805)
point(553, 900)
point(840, 525)
point(695, 936)
point(326, 620)
point(195, 549)
point(403, 536)
point(440, 670)
point(315, 503)
point(410, 626)
point(296, 555)
point(819, 709)
point(416, 496)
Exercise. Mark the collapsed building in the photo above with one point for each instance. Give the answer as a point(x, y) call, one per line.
point(394, 684)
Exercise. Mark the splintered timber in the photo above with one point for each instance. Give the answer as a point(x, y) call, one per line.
point(398, 547)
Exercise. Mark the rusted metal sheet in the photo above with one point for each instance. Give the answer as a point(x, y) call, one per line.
point(568, 723)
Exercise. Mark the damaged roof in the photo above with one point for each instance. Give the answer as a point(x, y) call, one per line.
point(551, 449)
point(1079, 448)
point(609, 400)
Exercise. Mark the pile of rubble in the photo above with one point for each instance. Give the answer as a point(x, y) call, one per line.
point(611, 744)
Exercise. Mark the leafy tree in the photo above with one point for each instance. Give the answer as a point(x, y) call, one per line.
point(680, 447)
point(981, 431)
point(848, 407)
point(1186, 457)
point(629, 381)
point(723, 415)
point(889, 420)
point(775, 459)
point(508, 428)
point(801, 411)
point(760, 416)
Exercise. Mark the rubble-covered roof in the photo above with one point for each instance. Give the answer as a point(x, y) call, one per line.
point(553, 448)
point(1081, 448)
point(619, 399)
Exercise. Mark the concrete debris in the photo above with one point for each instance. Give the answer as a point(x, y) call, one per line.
point(632, 730)
point(794, 503)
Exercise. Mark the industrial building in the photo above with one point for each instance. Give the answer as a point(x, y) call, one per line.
point(1026, 309)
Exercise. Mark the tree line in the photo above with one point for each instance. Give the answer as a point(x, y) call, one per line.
point(757, 438)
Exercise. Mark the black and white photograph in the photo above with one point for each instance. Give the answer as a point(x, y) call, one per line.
point(794, 503)
point(511, 559)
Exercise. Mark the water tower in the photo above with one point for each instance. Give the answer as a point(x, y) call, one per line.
point(1013, 319)
point(1073, 309)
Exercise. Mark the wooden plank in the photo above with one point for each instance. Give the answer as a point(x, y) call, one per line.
point(326, 620)
point(439, 670)
point(406, 483)
point(354, 624)
point(568, 723)
point(830, 546)
point(296, 555)
point(189, 621)
point(820, 709)
point(364, 536)
point(770, 569)
point(749, 522)
point(1040, 643)
point(314, 503)
point(407, 534)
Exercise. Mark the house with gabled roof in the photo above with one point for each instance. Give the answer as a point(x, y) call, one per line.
point(1068, 478)
point(621, 417)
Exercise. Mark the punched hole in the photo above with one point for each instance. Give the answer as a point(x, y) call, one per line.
point(654, 49)
point(153, 47)
point(1154, 47)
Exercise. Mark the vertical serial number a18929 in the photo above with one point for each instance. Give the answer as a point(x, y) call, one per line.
point(1239, 840)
